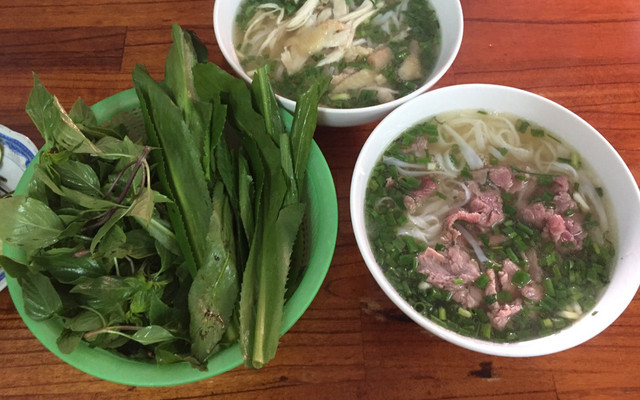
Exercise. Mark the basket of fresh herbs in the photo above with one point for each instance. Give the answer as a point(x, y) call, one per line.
point(173, 231)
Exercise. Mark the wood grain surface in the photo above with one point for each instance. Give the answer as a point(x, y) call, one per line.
point(352, 343)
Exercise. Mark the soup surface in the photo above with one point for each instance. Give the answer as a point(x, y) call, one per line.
point(490, 226)
point(368, 51)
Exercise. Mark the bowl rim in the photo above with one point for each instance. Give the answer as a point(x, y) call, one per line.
point(390, 127)
point(111, 367)
point(229, 55)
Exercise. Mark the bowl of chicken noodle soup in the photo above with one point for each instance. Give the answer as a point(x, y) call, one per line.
point(497, 220)
point(372, 55)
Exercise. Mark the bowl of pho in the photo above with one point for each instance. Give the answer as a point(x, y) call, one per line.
point(371, 55)
point(495, 219)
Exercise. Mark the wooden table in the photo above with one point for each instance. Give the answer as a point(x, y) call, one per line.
point(352, 342)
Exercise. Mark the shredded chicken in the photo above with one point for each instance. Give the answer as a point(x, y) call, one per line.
point(308, 32)
point(380, 58)
point(323, 32)
point(411, 68)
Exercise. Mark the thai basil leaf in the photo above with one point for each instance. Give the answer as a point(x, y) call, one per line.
point(28, 223)
point(81, 113)
point(12, 267)
point(106, 227)
point(161, 232)
point(142, 206)
point(54, 123)
point(108, 288)
point(71, 195)
point(79, 176)
point(116, 149)
point(41, 301)
point(159, 312)
point(112, 243)
point(141, 301)
point(152, 334)
point(66, 267)
point(68, 340)
point(85, 321)
point(140, 244)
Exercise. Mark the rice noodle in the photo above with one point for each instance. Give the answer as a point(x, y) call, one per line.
point(589, 192)
point(474, 161)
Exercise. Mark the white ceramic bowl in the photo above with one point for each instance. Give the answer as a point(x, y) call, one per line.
point(617, 181)
point(451, 26)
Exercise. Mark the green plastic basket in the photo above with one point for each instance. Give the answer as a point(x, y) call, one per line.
point(322, 227)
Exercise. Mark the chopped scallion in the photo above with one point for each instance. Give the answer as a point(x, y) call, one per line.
point(547, 284)
point(482, 281)
point(522, 125)
point(537, 132)
point(504, 296)
point(463, 312)
point(520, 278)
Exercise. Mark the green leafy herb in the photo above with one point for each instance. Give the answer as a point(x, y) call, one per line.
point(175, 242)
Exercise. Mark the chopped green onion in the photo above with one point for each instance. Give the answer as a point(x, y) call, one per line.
point(504, 296)
point(509, 209)
point(419, 306)
point(537, 132)
point(440, 247)
point(463, 312)
point(441, 195)
point(575, 160)
point(520, 278)
point(521, 245)
point(545, 179)
point(522, 125)
point(547, 284)
point(442, 313)
point(503, 151)
point(458, 281)
point(465, 173)
point(550, 258)
point(482, 281)
point(525, 228)
point(454, 159)
point(485, 330)
point(490, 299)
point(512, 256)
point(483, 112)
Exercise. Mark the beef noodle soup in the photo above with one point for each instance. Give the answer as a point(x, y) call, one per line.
point(369, 52)
point(490, 226)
